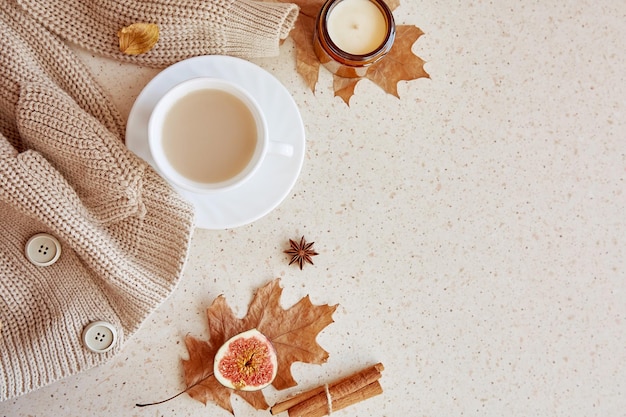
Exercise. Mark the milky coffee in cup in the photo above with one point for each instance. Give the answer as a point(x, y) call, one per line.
point(207, 134)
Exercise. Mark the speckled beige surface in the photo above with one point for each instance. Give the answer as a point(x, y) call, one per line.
point(472, 232)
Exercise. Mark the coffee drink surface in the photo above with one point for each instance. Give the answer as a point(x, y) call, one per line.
point(209, 136)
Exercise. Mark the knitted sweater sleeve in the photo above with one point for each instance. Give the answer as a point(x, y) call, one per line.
point(123, 232)
point(244, 28)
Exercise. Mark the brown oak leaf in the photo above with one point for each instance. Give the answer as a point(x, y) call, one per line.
point(293, 334)
point(399, 64)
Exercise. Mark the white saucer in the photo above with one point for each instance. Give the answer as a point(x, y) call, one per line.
point(276, 176)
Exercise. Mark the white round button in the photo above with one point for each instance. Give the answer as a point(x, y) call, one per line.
point(43, 249)
point(99, 336)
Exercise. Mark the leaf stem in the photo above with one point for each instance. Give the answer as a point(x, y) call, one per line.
point(180, 393)
point(162, 401)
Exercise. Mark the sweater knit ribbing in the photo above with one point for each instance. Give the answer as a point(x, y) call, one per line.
point(65, 171)
point(244, 28)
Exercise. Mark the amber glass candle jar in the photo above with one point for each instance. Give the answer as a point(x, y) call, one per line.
point(351, 35)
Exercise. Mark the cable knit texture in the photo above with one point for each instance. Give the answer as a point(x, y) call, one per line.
point(244, 28)
point(64, 170)
point(29, 53)
point(124, 236)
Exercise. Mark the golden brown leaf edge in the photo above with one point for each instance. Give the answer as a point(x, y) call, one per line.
point(400, 64)
point(138, 38)
point(293, 334)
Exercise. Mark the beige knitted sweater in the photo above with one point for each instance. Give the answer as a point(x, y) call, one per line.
point(122, 232)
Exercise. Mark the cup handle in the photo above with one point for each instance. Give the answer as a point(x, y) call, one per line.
point(280, 148)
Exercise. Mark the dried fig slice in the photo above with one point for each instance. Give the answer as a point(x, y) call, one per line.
point(246, 362)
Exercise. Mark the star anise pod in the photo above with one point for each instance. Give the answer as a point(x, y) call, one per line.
point(301, 252)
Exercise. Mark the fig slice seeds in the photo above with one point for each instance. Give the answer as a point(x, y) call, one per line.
point(246, 362)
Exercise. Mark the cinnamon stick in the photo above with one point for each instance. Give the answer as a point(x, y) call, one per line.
point(297, 399)
point(346, 390)
point(362, 394)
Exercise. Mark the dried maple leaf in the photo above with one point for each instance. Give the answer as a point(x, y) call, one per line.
point(292, 332)
point(344, 87)
point(400, 64)
point(307, 63)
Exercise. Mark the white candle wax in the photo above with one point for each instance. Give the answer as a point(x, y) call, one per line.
point(357, 27)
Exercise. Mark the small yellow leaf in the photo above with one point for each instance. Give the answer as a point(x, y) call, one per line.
point(138, 38)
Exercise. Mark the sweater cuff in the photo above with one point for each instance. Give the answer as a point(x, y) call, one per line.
point(93, 160)
point(255, 28)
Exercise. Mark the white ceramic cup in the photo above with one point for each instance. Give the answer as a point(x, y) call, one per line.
point(263, 143)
